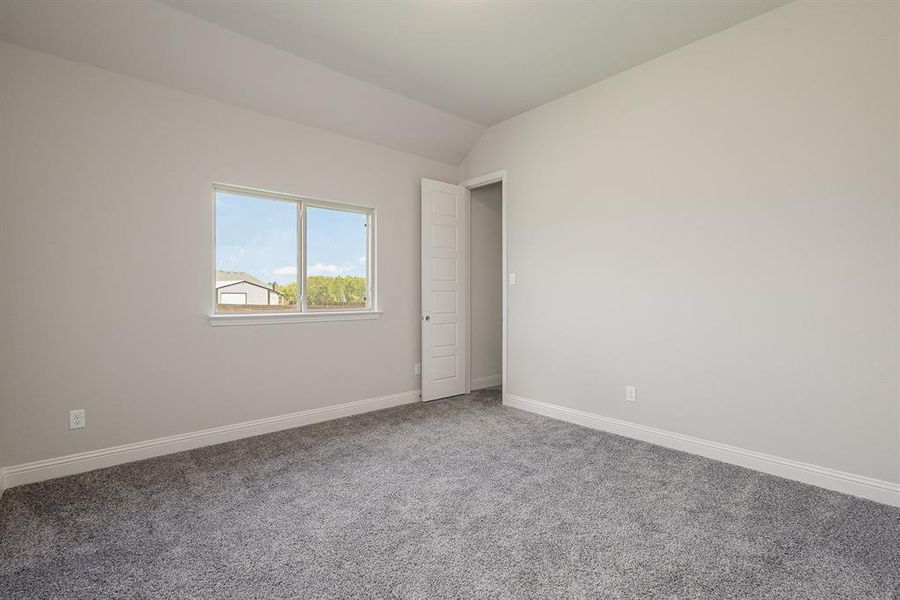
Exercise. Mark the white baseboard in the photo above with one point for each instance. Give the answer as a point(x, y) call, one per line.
point(840, 481)
point(486, 382)
point(107, 457)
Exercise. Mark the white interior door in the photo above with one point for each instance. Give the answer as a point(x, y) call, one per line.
point(445, 289)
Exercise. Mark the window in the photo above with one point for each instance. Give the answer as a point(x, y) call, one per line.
point(337, 243)
point(281, 254)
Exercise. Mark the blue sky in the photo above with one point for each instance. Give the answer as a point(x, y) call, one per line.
point(259, 236)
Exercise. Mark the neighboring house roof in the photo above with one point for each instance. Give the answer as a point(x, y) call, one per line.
point(235, 276)
point(241, 277)
point(225, 284)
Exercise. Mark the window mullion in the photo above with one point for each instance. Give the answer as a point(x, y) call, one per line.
point(370, 269)
point(301, 258)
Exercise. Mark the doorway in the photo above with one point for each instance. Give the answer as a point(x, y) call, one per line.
point(485, 286)
point(464, 285)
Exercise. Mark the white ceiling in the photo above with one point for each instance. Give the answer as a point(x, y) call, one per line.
point(483, 61)
point(420, 77)
point(154, 42)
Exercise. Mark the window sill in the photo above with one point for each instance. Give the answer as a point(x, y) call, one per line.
point(307, 317)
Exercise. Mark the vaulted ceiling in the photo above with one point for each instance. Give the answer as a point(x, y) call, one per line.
point(420, 77)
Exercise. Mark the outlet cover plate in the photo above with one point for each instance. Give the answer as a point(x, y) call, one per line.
point(77, 419)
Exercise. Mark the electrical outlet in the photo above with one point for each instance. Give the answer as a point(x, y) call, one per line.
point(512, 279)
point(77, 419)
point(631, 393)
point(418, 368)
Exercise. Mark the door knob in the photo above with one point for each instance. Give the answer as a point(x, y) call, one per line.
point(427, 317)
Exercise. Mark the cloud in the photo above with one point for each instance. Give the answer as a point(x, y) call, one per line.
point(322, 269)
point(288, 270)
point(362, 260)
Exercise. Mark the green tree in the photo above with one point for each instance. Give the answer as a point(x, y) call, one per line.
point(335, 291)
point(289, 292)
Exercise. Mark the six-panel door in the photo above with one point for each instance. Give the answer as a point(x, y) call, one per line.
point(445, 271)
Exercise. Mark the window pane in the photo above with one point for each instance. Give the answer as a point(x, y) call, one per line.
point(256, 254)
point(337, 245)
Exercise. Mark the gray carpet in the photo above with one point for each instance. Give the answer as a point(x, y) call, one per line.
point(456, 498)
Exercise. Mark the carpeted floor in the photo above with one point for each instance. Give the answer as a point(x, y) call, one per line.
point(456, 498)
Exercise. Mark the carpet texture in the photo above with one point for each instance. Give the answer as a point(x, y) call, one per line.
point(455, 498)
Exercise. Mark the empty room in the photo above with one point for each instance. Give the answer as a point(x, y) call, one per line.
point(449, 299)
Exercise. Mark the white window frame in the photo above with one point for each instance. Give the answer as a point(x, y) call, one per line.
point(303, 313)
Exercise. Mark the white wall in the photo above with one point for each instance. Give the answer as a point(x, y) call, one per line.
point(724, 223)
point(486, 283)
point(107, 179)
